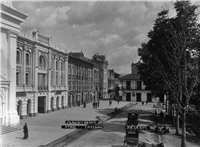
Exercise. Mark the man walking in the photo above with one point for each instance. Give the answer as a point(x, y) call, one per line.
point(25, 129)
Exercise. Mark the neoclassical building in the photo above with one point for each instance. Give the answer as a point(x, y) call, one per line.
point(83, 79)
point(10, 27)
point(41, 76)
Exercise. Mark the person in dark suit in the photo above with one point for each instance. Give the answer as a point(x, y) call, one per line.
point(25, 129)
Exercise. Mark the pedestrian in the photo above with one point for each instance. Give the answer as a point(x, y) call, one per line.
point(118, 101)
point(110, 102)
point(98, 103)
point(93, 105)
point(157, 130)
point(84, 104)
point(25, 129)
point(161, 115)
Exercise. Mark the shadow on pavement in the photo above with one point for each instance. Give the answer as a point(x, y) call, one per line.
point(105, 111)
point(113, 128)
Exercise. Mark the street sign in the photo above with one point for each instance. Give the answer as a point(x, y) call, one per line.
point(81, 121)
point(81, 127)
point(130, 127)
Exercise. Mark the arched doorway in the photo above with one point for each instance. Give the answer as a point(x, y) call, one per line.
point(57, 102)
point(19, 108)
point(52, 101)
point(28, 107)
point(63, 106)
point(73, 100)
point(69, 101)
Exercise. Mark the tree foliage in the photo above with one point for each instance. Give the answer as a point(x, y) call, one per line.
point(170, 59)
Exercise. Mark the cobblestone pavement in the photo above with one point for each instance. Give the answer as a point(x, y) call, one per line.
point(113, 133)
point(45, 128)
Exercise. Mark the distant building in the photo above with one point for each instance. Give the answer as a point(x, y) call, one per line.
point(100, 61)
point(113, 81)
point(134, 89)
point(83, 79)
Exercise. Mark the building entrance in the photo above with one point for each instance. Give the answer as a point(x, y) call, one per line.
point(128, 96)
point(41, 104)
point(138, 97)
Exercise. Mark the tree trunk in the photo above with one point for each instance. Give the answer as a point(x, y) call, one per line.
point(173, 109)
point(177, 120)
point(183, 139)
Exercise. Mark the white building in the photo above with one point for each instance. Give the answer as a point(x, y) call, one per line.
point(10, 27)
point(134, 89)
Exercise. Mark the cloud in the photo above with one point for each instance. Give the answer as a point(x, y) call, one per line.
point(119, 23)
point(95, 33)
point(114, 28)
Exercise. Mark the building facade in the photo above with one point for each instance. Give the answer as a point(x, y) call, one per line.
point(10, 27)
point(83, 80)
point(100, 61)
point(134, 89)
point(41, 76)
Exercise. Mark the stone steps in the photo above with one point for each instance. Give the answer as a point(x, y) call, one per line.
point(8, 129)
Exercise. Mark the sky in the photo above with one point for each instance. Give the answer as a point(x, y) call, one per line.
point(112, 28)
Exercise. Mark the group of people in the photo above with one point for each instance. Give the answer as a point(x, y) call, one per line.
point(79, 104)
point(163, 130)
point(161, 115)
point(95, 104)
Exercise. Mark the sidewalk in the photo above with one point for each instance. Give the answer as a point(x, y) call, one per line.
point(147, 117)
point(46, 128)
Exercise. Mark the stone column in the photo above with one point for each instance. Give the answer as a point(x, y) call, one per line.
point(48, 98)
point(36, 81)
point(13, 117)
point(66, 80)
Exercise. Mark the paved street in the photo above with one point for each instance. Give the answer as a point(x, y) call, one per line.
point(113, 133)
point(46, 128)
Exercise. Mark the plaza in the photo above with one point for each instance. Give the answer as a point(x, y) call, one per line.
point(46, 128)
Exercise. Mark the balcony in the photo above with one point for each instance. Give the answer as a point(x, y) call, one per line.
point(43, 88)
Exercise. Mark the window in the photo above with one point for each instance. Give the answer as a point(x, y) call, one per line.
point(42, 63)
point(18, 57)
point(56, 65)
point(42, 81)
point(17, 78)
point(56, 78)
point(61, 66)
point(27, 78)
point(27, 59)
point(52, 79)
point(62, 80)
point(69, 69)
point(139, 85)
point(128, 84)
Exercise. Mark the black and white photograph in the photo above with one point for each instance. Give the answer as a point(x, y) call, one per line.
point(97, 73)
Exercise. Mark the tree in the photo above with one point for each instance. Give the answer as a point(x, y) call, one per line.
point(148, 53)
point(173, 56)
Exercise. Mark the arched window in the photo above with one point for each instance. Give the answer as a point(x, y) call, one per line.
point(56, 65)
point(18, 57)
point(28, 59)
point(62, 66)
point(42, 62)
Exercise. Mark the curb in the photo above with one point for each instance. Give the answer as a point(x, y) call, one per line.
point(77, 133)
